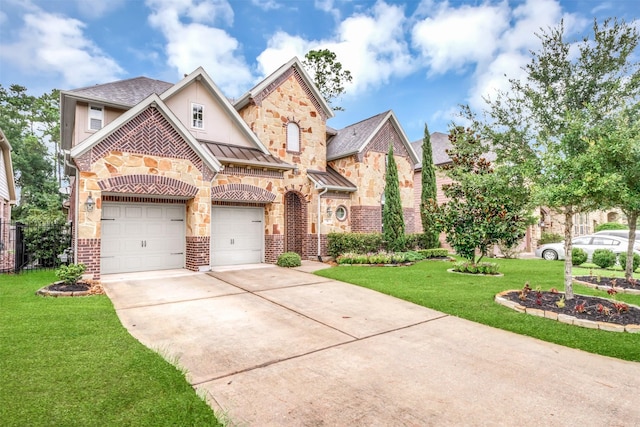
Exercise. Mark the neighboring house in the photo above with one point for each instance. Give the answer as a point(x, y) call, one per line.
point(176, 176)
point(7, 199)
point(549, 221)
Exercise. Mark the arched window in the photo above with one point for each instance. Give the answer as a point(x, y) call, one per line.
point(293, 137)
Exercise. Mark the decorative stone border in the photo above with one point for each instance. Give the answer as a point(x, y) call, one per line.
point(565, 318)
point(606, 288)
point(451, 270)
point(95, 289)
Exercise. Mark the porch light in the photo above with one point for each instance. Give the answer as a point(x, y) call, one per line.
point(329, 212)
point(89, 204)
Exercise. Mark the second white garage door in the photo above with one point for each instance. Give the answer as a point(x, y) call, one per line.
point(237, 235)
point(142, 237)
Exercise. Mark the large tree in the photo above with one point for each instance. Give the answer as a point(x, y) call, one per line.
point(542, 123)
point(328, 74)
point(392, 218)
point(486, 204)
point(429, 194)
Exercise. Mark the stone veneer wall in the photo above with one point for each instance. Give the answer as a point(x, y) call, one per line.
point(146, 156)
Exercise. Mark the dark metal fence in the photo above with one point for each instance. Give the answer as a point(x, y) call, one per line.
point(34, 246)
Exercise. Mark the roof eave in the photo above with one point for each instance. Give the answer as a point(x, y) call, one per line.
point(318, 185)
point(233, 161)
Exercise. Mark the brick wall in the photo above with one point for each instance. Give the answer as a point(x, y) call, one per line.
point(89, 255)
point(417, 199)
point(273, 247)
point(312, 246)
point(409, 215)
point(197, 252)
point(366, 219)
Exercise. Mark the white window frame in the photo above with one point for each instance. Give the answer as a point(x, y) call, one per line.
point(96, 112)
point(197, 123)
point(343, 209)
point(293, 137)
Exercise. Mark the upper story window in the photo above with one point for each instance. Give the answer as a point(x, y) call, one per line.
point(96, 117)
point(293, 137)
point(197, 115)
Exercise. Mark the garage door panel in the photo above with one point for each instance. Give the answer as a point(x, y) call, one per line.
point(237, 235)
point(139, 237)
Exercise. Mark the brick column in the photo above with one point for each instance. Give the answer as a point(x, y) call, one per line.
point(89, 255)
point(198, 252)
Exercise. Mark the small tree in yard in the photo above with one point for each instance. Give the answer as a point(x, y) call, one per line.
point(392, 218)
point(485, 205)
point(543, 124)
point(429, 193)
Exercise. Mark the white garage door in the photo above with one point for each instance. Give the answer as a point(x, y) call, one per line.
point(237, 235)
point(142, 237)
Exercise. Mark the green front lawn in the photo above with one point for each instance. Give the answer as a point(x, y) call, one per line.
point(69, 361)
point(428, 284)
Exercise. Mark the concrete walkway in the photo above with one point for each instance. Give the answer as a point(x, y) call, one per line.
point(278, 347)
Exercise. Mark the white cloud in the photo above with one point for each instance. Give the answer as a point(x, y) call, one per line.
point(452, 38)
point(96, 9)
point(371, 45)
point(54, 44)
point(194, 44)
point(327, 6)
point(266, 4)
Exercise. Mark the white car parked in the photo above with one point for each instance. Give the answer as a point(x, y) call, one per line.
point(589, 243)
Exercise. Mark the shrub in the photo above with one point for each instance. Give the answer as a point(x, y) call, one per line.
point(70, 274)
point(611, 226)
point(550, 238)
point(289, 259)
point(413, 256)
point(419, 241)
point(578, 256)
point(434, 253)
point(604, 258)
point(490, 268)
point(623, 260)
point(362, 243)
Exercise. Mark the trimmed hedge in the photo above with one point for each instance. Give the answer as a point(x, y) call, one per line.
point(380, 258)
point(604, 258)
point(611, 226)
point(623, 261)
point(434, 253)
point(479, 268)
point(578, 256)
point(362, 243)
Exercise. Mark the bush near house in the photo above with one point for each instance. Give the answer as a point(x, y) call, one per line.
point(363, 243)
point(434, 253)
point(604, 258)
point(611, 226)
point(550, 238)
point(380, 258)
point(623, 260)
point(289, 259)
point(578, 256)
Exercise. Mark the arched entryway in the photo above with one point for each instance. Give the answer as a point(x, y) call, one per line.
point(295, 210)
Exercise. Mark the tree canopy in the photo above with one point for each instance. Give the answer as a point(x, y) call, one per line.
point(328, 74)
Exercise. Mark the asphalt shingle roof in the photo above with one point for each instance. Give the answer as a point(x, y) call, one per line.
point(439, 144)
point(349, 139)
point(125, 92)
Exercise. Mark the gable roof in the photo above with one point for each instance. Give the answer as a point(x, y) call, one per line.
point(126, 93)
point(354, 138)
point(199, 74)
point(152, 100)
point(5, 147)
point(273, 78)
point(439, 144)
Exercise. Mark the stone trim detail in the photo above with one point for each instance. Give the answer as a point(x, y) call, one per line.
point(149, 133)
point(137, 199)
point(148, 184)
point(366, 219)
point(197, 249)
point(237, 170)
point(380, 143)
point(241, 193)
point(88, 253)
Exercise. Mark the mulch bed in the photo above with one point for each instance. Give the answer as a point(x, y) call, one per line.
point(81, 288)
point(614, 282)
point(581, 307)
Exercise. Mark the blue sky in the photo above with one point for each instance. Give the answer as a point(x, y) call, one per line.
point(420, 58)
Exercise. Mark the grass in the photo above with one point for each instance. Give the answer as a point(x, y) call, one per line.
point(593, 270)
point(69, 361)
point(428, 284)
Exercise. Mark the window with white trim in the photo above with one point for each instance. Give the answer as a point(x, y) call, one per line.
point(341, 213)
point(293, 137)
point(96, 117)
point(197, 115)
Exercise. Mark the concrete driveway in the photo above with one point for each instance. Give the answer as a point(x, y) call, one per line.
point(271, 346)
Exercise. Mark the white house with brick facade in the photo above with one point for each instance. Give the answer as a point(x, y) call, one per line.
point(177, 176)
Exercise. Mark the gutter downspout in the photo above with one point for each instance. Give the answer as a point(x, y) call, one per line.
point(319, 218)
point(76, 183)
